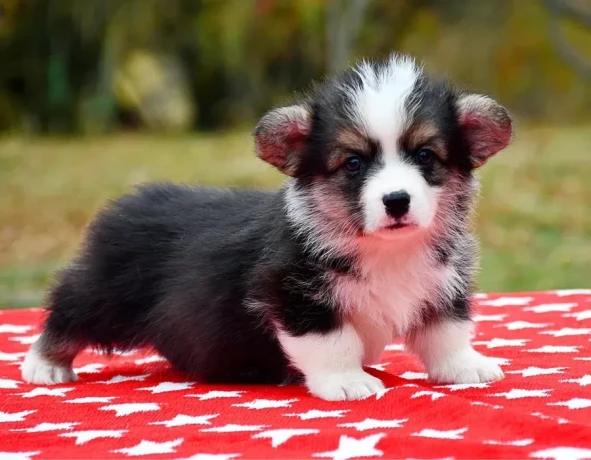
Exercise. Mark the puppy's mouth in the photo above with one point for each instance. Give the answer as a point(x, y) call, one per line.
point(394, 230)
point(397, 226)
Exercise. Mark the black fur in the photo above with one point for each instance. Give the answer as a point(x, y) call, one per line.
point(171, 266)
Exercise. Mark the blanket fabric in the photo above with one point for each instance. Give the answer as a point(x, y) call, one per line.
point(134, 405)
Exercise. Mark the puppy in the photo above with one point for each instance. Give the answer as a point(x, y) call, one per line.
point(368, 240)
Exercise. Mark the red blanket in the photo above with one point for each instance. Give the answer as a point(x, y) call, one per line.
point(135, 405)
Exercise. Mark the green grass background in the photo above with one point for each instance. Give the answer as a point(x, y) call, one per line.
point(533, 220)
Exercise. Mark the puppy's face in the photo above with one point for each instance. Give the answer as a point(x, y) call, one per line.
point(382, 148)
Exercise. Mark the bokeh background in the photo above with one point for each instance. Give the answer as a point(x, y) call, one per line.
point(98, 95)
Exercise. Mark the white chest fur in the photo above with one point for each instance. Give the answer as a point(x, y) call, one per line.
point(388, 295)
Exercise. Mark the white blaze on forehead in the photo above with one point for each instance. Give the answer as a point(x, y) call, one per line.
point(383, 108)
point(380, 103)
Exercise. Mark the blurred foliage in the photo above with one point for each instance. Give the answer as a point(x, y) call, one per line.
point(533, 217)
point(94, 65)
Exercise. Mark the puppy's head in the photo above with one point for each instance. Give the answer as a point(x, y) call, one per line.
point(379, 148)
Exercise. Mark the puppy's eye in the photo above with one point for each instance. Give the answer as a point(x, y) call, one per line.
point(425, 156)
point(352, 164)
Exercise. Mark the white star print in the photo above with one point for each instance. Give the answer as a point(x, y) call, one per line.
point(279, 437)
point(533, 371)
point(150, 359)
point(569, 292)
point(83, 437)
point(26, 340)
point(91, 399)
point(212, 457)
point(151, 448)
point(232, 428)
point(583, 381)
point(517, 442)
point(266, 404)
point(554, 349)
point(441, 434)
point(380, 394)
point(165, 387)
point(15, 416)
point(182, 420)
point(90, 368)
point(355, 448)
point(575, 403)
point(43, 391)
point(481, 318)
point(42, 427)
point(379, 367)
point(8, 383)
point(518, 325)
point(408, 375)
point(492, 406)
point(14, 329)
point(517, 393)
point(18, 455)
point(499, 342)
point(433, 394)
point(312, 414)
point(123, 378)
point(11, 356)
point(583, 359)
point(371, 423)
point(579, 316)
point(395, 347)
point(217, 394)
point(568, 331)
point(131, 408)
point(506, 301)
point(561, 421)
point(563, 453)
point(551, 307)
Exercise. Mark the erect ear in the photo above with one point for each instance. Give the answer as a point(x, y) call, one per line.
point(281, 137)
point(487, 126)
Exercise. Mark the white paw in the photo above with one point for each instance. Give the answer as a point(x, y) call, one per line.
point(345, 386)
point(39, 370)
point(468, 366)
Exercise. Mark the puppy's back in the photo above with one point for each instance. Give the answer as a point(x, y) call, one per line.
point(131, 250)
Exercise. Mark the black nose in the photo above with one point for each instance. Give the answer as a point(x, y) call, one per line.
point(397, 203)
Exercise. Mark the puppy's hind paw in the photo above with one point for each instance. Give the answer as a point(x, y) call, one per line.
point(39, 370)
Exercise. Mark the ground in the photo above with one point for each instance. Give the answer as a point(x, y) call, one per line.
point(533, 217)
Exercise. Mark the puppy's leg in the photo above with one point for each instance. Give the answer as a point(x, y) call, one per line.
point(49, 360)
point(331, 363)
point(444, 348)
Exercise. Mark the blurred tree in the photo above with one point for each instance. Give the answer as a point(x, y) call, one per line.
point(579, 13)
point(343, 22)
point(72, 65)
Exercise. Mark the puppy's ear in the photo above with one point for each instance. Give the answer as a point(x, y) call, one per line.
point(281, 137)
point(487, 126)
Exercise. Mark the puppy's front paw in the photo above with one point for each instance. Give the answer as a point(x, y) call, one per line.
point(466, 367)
point(345, 386)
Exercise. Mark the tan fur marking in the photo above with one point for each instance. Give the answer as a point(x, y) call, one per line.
point(426, 135)
point(346, 140)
